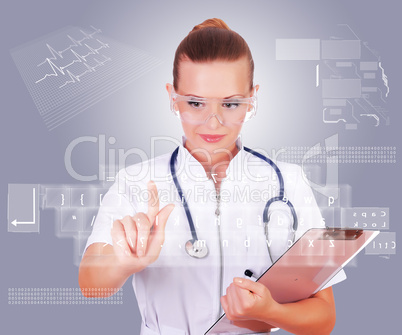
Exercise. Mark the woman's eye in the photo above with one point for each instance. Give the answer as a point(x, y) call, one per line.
point(230, 105)
point(195, 104)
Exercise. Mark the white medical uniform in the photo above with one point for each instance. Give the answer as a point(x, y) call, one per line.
point(179, 294)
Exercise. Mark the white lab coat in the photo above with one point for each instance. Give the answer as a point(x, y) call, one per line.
point(179, 294)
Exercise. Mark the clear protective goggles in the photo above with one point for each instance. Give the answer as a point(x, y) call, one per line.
point(196, 110)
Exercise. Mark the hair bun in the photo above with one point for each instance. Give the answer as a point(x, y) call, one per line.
point(211, 23)
point(212, 40)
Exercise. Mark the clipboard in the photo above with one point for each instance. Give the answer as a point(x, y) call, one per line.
point(303, 270)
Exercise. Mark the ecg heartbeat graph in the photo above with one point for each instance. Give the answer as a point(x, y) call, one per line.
point(56, 55)
point(72, 69)
point(77, 77)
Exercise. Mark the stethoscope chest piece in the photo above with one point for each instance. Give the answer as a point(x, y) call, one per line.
point(196, 248)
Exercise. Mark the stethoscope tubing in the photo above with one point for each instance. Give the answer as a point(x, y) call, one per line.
point(180, 191)
point(280, 197)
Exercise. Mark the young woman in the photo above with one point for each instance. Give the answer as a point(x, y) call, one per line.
point(188, 224)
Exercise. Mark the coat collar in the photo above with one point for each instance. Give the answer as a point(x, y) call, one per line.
point(193, 168)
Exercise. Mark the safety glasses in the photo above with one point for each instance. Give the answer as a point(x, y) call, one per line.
point(196, 110)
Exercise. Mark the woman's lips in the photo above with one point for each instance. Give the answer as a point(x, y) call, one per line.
point(211, 138)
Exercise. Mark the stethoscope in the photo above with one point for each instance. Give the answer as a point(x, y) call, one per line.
point(194, 247)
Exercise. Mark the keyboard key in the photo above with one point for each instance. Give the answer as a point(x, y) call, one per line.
point(57, 197)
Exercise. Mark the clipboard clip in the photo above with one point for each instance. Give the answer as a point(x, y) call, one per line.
point(341, 234)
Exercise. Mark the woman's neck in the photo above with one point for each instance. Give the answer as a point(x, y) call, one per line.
point(214, 163)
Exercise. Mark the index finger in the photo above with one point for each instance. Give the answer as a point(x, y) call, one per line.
point(153, 202)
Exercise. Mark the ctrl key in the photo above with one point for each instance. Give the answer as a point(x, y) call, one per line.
point(383, 244)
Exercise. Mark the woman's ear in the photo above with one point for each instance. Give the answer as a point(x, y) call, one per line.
point(169, 89)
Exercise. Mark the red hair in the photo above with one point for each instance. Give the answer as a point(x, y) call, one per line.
point(211, 40)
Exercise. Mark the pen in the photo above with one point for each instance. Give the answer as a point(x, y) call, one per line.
point(250, 274)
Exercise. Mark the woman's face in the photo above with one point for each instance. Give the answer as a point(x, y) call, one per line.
point(216, 79)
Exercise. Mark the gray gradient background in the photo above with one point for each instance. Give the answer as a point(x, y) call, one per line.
point(289, 115)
